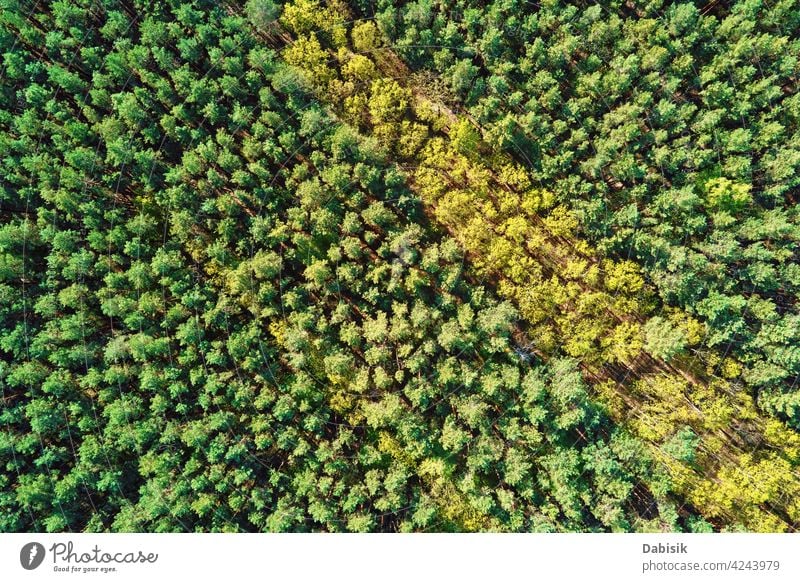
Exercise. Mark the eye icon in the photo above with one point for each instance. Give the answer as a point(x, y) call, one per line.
point(31, 555)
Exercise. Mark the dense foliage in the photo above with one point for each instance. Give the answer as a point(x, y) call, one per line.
point(260, 274)
point(672, 132)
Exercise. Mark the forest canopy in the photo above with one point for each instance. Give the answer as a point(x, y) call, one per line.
point(399, 266)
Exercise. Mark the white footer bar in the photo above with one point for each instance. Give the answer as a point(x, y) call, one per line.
point(406, 557)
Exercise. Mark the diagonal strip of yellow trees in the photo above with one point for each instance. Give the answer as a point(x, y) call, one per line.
point(736, 466)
